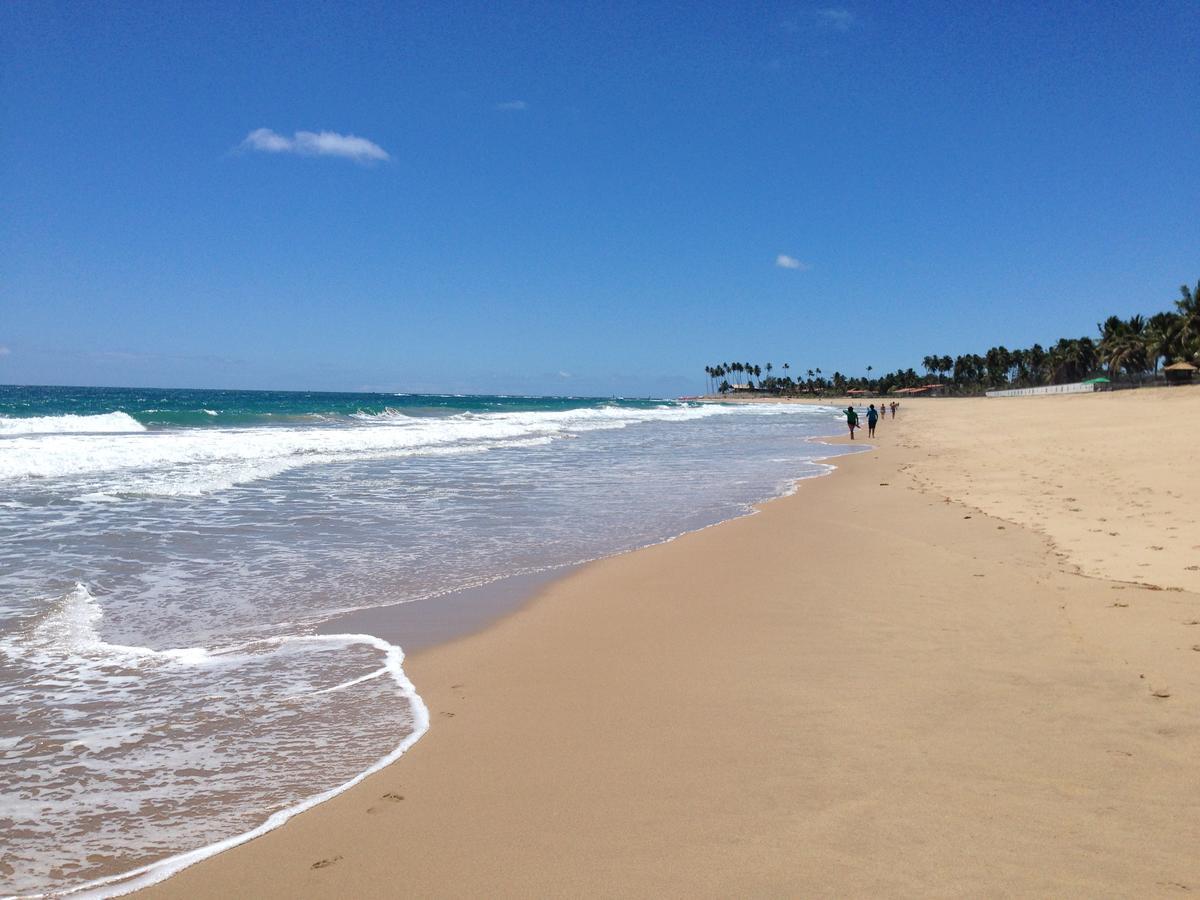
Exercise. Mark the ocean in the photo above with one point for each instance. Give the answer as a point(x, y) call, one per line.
point(168, 557)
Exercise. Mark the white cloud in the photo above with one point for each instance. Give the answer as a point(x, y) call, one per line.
point(790, 262)
point(564, 374)
point(4, 351)
point(837, 17)
point(315, 143)
point(512, 106)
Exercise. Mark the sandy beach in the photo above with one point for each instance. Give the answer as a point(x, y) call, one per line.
point(966, 663)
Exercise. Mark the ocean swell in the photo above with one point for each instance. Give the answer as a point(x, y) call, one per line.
point(102, 423)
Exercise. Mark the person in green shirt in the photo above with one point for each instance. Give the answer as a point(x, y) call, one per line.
point(851, 420)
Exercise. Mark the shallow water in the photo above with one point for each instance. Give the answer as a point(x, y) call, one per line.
point(162, 579)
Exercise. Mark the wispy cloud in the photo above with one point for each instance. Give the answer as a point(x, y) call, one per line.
point(315, 143)
point(4, 351)
point(837, 17)
point(790, 262)
point(512, 106)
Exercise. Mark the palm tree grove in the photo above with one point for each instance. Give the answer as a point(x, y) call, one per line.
point(1129, 350)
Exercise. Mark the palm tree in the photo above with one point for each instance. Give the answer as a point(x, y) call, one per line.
point(1035, 363)
point(1188, 333)
point(999, 361)
point(1123, 345)
point(1162, 337)
point(1071, 359)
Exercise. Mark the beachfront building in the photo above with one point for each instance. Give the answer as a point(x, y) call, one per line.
point(1179, 373)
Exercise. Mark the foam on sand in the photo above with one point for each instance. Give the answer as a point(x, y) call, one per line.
point(179, 732)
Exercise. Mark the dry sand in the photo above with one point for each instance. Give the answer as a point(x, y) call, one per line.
point(892, 682)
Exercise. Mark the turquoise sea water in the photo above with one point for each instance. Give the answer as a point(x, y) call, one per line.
point(168, 557)
point(191, 408)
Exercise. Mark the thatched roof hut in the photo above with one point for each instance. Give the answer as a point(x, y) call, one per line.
point(1179, 373)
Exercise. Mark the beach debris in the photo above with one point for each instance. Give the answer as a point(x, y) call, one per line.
point(966, 517)
point(322, 863)
point(1196, 647)
point(1160, 693)
point(392, 796)
point(1120, 604)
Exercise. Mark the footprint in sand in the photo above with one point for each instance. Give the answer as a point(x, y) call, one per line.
point(323, 863)
point(390, 797)
point(1160, 693)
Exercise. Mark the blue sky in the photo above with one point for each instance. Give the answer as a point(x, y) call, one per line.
point(580, 198)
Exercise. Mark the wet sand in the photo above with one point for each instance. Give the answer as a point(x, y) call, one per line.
point(931, 673)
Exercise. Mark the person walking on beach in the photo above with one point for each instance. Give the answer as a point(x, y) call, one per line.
point(894, 405)
point(872, 418)
point(851, 420)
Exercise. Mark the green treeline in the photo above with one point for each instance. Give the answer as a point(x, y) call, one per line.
point(1131, 348)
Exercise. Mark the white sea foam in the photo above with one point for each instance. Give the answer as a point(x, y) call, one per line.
point(104, 423)
point(189, 462)
point(170, 734)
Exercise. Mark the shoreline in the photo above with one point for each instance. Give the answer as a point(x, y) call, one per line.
point(410, 628)
point(553, 634)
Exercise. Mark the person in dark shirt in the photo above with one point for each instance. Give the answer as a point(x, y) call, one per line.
point(851, 420)
point(872, 418)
